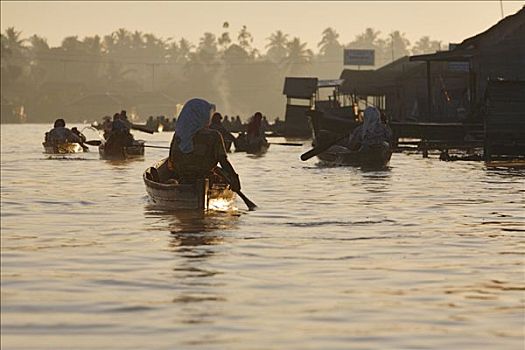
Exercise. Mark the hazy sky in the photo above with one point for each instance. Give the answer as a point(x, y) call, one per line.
point(449, 21)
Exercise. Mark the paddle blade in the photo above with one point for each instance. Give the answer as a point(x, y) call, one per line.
point(315, 151)
point(251, 205)
point(320, 149)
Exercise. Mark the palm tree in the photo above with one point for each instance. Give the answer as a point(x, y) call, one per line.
point(207, 49)
point(122, 40)
point(38, 68)
point(93, 45)
point(329, 44)
point(154, 48)
point(277, 46)
point(12, 42)
point(366, 40)
point(298, 56)
point(108, 44)
point(185, 48)
point(224, 41)
point(38, 44)
point(245, 40)
point(137, 41)
point(398, 44)
point(425, 45)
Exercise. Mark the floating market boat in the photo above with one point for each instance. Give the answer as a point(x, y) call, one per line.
point(376, 157)
point(167, 193)
point(136, 150)
point(242, 145)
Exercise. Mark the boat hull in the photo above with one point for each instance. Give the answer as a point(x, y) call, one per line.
point(241, 145)
point(63, 148)
point(175, 196)
point(375, 157)
point(129, 152)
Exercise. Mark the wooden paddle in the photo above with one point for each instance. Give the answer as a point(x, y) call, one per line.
point(286, 143)
point(151, 146)
point(93, 142)
point(320, 148)
point(251, 205)
point(141, 128)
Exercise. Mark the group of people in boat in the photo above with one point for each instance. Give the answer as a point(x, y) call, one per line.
point(161, 123)
point(117, 133)
point(198, 144)
point(60, 135)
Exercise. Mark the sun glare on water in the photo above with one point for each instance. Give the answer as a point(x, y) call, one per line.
point(221, 204)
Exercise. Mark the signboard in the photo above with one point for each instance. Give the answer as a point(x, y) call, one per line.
point(354, 57)
point(458, 66)
point(330, 83)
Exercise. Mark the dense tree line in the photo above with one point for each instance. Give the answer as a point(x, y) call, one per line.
point(224, 68)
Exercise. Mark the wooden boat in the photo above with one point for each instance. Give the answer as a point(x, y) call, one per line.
point(375, 157)
point(136, 150)
point(511, 163)
point(169, 194)
point(242, 145)
point(63, 148)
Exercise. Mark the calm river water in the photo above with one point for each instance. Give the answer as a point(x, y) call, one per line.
point(425, 255)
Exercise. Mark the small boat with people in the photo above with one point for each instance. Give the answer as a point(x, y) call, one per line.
point(120, 144)
point(375, 157)
point(62, 140)
point(190, 177)
point(368, 145)
point(204, 194)
point(253, 141)
point(254, 147)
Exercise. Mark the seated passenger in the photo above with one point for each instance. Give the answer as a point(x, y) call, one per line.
point(120, 135)
point(60, 134)
point(371, 132)
point(255, 129)
point(196, 149)
point(216, 124)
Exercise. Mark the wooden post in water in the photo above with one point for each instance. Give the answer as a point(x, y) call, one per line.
point(429, 92)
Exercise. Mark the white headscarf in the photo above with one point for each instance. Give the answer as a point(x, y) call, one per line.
point(372, 128)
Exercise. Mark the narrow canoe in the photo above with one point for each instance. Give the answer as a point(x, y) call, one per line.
point(512, 163)
point(169, 194)
point(63, 148)
point(134, 151)
point(373, 158)
point(241, 145)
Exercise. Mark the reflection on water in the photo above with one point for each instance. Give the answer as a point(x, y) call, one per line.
point(191, 221)
point(424, 255)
